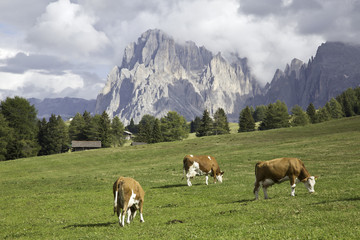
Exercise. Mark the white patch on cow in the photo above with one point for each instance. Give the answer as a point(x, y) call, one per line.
point(191, 155)
point(207, 180)
point(194, 170)
point(310, 183)
point(129, 216)
point(209, 158)
point(141, 218)
point(219, 178)
point(268, 182)
point(115, 201)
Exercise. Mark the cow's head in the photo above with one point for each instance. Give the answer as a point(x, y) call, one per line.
point(219, 176)
point(310, 183)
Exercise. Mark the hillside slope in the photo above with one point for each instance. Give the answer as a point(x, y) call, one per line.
point(69, 196)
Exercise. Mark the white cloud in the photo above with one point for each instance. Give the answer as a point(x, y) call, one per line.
point(67, 30)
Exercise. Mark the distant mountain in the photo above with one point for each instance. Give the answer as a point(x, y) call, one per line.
point(65, 107)
point(158, 75)
point(335, 68)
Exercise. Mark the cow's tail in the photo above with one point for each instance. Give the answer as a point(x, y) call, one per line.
point(256, 167)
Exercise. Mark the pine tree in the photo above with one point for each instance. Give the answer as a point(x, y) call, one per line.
point(299, 117)
point(276, 116)
point(259, 113)
point(132, 127)
point(6, 135)
point(323, 115)
point(21, 117)
point(104, 130)
point(335, 109)
point(221, 125)
point(195, 124)
point(174, 127)
point(145, 128)
point(117, 132)
point(246, 120)
point(206, 127)
point(311, 112)
point(156, 132)
point(76, 128)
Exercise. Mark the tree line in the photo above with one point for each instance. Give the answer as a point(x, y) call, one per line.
point(275, 115)
point(23, 135)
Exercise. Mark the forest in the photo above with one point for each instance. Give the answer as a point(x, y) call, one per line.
point(23, 135)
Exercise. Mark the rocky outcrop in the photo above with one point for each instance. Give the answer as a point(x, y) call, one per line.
point(335, 68)
point(158, 75)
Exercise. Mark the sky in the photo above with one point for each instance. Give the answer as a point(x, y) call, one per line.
point(66, 48)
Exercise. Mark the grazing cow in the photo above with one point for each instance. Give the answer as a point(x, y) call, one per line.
point(128, 197)
point(279, 170)
point(199, 165)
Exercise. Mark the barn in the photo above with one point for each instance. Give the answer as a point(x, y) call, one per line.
point(85, 145)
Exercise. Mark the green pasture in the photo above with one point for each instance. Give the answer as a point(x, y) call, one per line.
point(69, 196)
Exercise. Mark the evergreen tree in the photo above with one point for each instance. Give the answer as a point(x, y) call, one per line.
point(323, 115)
point(104, 130)
point(335, 109)
point(221, 125)
point(246, 120)
point(117, 132)
point(64, 135)
point(311, 112)
point(299, 117)
point(76, 127)
point(6, 135)
point(174, 127)
point(89, 127)
point(156, 132)
point(259, 113)
point(195, 124)
point(42, 126)
point(132, 127)
point(206, 126)
point(21, 117)
point(145, 128)
point(276, 116)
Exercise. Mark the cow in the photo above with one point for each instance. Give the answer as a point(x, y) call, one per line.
point(200, 165)
point(128, 197)
point(279, 170)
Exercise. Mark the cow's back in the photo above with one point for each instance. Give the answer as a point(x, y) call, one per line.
point(206, 162)
point(128, 185)
point(276, 169)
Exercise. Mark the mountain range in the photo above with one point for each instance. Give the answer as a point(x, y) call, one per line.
point(158, 75)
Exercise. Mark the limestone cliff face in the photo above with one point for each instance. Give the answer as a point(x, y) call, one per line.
point(334, 68)
point(158, 75)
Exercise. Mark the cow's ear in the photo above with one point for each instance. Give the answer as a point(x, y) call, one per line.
point(222, 173)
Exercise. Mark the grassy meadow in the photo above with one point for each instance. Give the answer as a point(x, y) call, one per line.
point(69, 196)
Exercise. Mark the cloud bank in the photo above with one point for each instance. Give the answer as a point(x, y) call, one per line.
point(66, 47)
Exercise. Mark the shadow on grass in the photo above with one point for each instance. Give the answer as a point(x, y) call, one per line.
point(338, 200)
point(90, 225)
point(174, 186)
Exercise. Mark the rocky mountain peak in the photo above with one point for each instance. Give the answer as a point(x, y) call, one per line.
point(158, 75)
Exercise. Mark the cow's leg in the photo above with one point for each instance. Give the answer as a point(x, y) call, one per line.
point(124, 211)
point(265, 192)
point(293, 185)
point(256, 189)
point(133, 213)
point(141, 210)
point(120, 217)
point(188, 179)
point(207, 179)
point(128, 216)
point(115, 201)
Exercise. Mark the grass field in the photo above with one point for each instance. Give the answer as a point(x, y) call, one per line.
point(69, 196)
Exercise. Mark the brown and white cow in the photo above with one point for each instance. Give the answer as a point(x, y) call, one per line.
point(201, 165)
point(279, 170)
point(128, 197)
